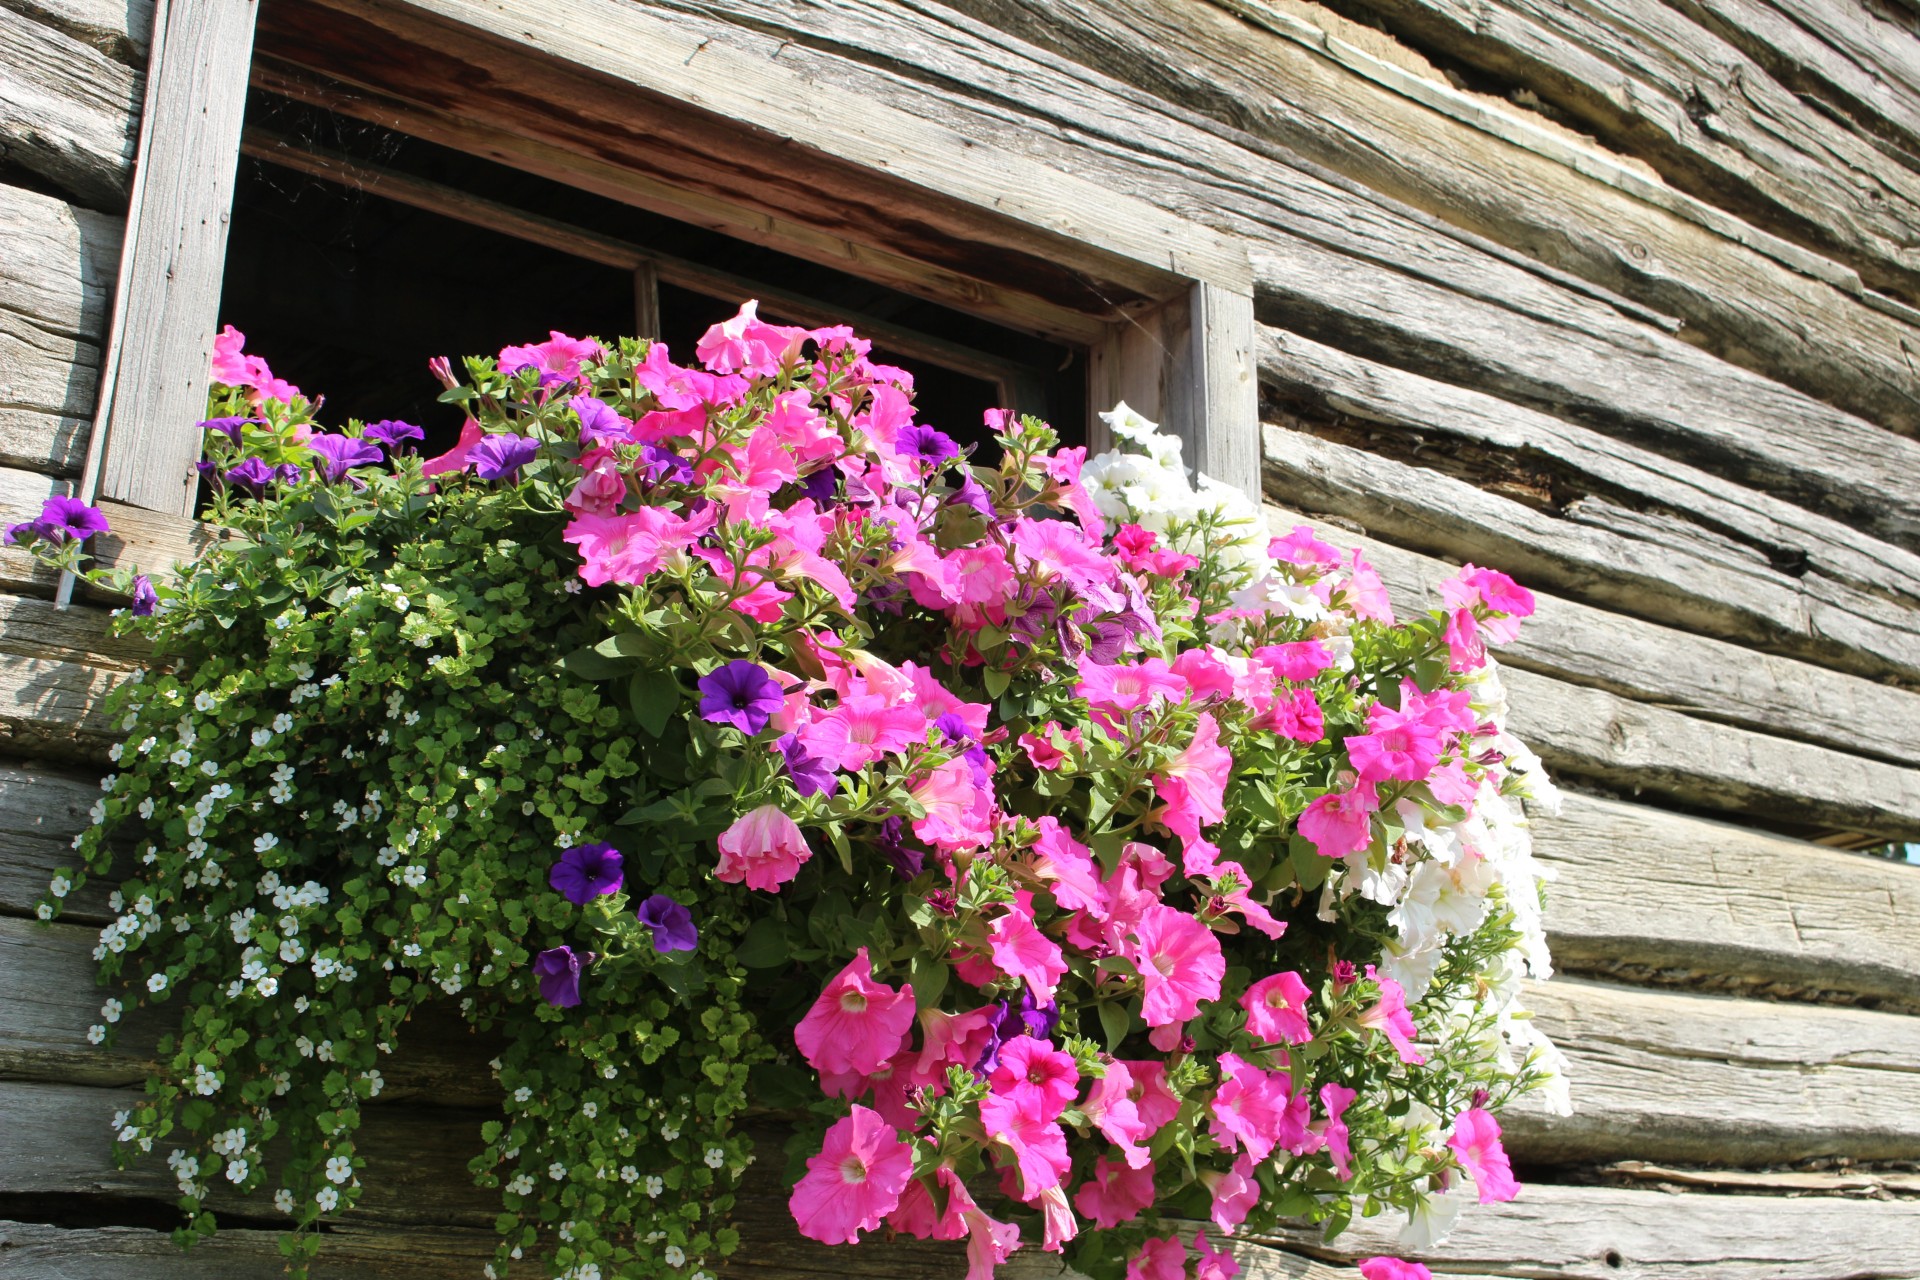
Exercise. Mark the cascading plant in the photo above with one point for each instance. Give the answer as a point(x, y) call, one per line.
point(1070, 853)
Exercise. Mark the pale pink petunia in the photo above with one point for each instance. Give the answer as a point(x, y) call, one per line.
point(1159, 1258)
point(1341, 822)
point(1451, 786)
point(1152, 1098)
point(1022, 951)
point(1028, 1066)
point(1389, 1016)
point(742, 343)
point(989, 1242)
point(1235, 1192)
point(1180, 965)
point(1127, 686)
point(891, 1087)
point(1038, 1144)
point(601, 486)
point(1193, 784)
point(978, 575)
point(1465, 648)
point(1336, 1098)
point(1277, 1009)
point(1110, 1106)
point(854, 1181)
point(1301, 547)
point(1058, 1223)
point(856, 1023)
point(1297, 660)
point(763, 849)
point(952, 1040)
point(1365, 594)
point(1213, 1264)
point(1397, 746)
point(959, 811)
point(1392, 1269)
point(559, 356)
point(1054, 549)
point(862, 729)
point(627, 547)
point(1476, 1141)
point(1116, 1194)
point(1447, 711)
point(1069, 868)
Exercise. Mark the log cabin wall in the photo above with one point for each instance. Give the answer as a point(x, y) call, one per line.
point(1618, 298)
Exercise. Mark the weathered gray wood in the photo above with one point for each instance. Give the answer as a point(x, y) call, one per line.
point(1647, 662)
point(45, 373)
point(35, 1251)
point(21, 496)
point(40, 813)
point(1689, 97)
point(1677, 572)
point(1645, 893)
point(1606, 1233)
point(67, 111)
point(174, 256)
point(121, 29)
point(1714, 1080)
point(1592, 733)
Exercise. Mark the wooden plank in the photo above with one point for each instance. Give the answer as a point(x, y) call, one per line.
point(172, 263)
point(120, 29)
point(67, 111)
point(41, 811)
point(1643, 894)
point(1664, 568)
point(1355, 268)
point(1703, 677)
point(1725, 121)
point(38, 1251)
point(21, 496)
point(1714, 1080)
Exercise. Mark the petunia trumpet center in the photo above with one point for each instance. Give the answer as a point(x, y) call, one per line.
point(853, 1002)
point(853, 1170)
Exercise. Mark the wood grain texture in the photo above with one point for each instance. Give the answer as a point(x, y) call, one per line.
point(120, 29)
point(1646, 892)
point(175, 255)
point(67, 111)
point(1658, 564)
point(1715, 96)
point(41, 811)
point(37, 1251)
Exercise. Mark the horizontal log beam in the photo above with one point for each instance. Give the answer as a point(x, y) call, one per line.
point(68, 112)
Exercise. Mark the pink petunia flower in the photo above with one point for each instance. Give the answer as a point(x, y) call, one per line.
point(1392, 1269)
point(1110, 1106)
point(1277, 1009)
point(1301, 547)
point(959, 810)
point(863, 728)
point(1193, 784)
point(1500, 594)
point(1022, 951)
point(1180, 965)
point(1152, 1098)
point(1341, 822)
point(1256, 1110)
point(1396, 746)
point(856, 1023)
point(1297, 660)
point(1365, 594)
point(626, 547)
point(1116, 1194)
point(854, 1181)
point(1038, 1143)
point(1336, 1098)
point(559, 356)
point(1389, 1016)
point(1159, 1258)
point(1476, 1141)
point(1235, 1192)
point(1295, 714)
point(1034, 1067)
point(763, 849)
point(1128, 686)
point(1054, 549)
point(1214, 1264)
point(1058, 1223)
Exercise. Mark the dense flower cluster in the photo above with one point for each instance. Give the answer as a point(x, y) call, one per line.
point(1125, 861)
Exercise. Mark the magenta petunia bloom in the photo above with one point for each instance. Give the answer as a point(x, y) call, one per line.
point(1277, 1009)
point(763, 849)
point(854, 1181)
point(500, 457)
point(856, 1024)
point(1392, 1269)
point(1033, 1067)
point(559, 970)
point(1180, 964)
point(1341, 822)
point(1390, 1017)
point(1476, 1141)
point(1116, 1194)
point(1235, 1192)
point(586, 872)
point(60, 520)
point(1160, 1258)
point(1213, 1264)
point(1336, 1098)
point(741, 694)
point(672, 924)
point(1038, 1143)
point(340, 454)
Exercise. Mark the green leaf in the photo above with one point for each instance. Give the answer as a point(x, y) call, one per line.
point(654, 696)
point(996, 681)
point(764, 945)
point(1310, 868)
point(590, 665)
point(928, 974)
point(1114, 1022)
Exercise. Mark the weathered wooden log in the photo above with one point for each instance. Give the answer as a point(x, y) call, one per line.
point(1647, 662)
point(67, 111)
point(41, 811)
point(1719, 115)
point(57, 263)
point(38, 1251)
point(120, 29)
point(1647, 894)
point(1448, 301)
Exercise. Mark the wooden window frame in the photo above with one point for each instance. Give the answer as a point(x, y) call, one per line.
point(1163, 306)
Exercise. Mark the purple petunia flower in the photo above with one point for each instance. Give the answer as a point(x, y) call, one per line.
point(741, 694)
point(665, 464)
point(252, 475)
point(930, 446)
point(586, 872)
point(392, 432)
point(339, 454)
point(287, 473)
point(672, 924)
point(907, 862)
point(812, 775)
point(559, 971)
point(598, 420)
point(819, 485)
point(955, 731)
point(500, 457)
point(61, 520)
point(145, 599)
point(972, 493)
point(229, 427)
point(1027, 1018)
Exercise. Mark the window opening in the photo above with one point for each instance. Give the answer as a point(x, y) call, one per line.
point(356, 253)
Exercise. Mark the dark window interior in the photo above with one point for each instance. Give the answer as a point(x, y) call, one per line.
point(348, 294)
